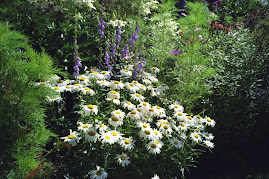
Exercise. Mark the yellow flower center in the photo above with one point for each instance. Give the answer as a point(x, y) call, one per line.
point(154, 68)
point(153, 146)
point(122, 158)
point(118, 112)
point(117, 82)
point(180, 114)
point(98, 172)
point(207, 135)
point(128, 103)
point(87, 89)
point(131, 84)
point(137, 95)
point(196, 136)
point(60, 81)
point(157, 142)
point(147, 132)
point(42, 83)
point(126, 70)
point(91, 133)
point(138, 110)
point(176, 106)
point(175, 142)
point(182, 124)
point(144, 104)
point(85, 126)
point(142, 86)
point(135, 82)
point(67, 87)
point(104, 72)
point(145, 125)
point(76, 84)
point(114, 133)
point(133, 112)
point(189, 117)
point(165, 127)
point(209, 120)
point(155, 132)
point(53, 97)
point(114, 119)
point(163, 85)
point(90, 106)
point(158, 107)
point(113, 92)
point(71, 136)
point(102, 125)
point(198, 116)
point(56, 88)
point(127, 142)
point(82, 79)
point(146, 117)
point(107, 137)
point(102, 82)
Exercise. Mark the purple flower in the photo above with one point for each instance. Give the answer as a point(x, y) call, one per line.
point(175, 52)
point(216, 4)
point(197, 29)
point(131, 40)
point(137, 28)
point(135, 37)
point(200, 37)
point(128, 56)
point(77, 65)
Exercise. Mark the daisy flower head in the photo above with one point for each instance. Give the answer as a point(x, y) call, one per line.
point(83, 127)
point(117, 136)
point(134, 115)
point(131, 87)
point(153, 79)
point(107, 138)
point(129, 67)
point(101, 127)
point(115, 122)
point(127, 143)
point(106, 74)
point(144, 106)
point(114, 101)
point(87, 91)
point(91, 135)
point(183, 126)
point(208, 136)
point(67, 88)
point(157, 134)
point(72, 139)
point(146, 118)
point(209, 144)
point(147, 82)
point(153, 148)
point(76, 87)
point(137, 97)
point(136, 83)
point(103, 83)
point(162, 88)
point(189, 120)
point(126, 72)
point(90, 109)
point(176, 107)
point(99, 173)
point(123, 159)
point(160, 111)
point(166, 129)
point(118, 113)
point(58, 99)
point(56, 88)
point(196, 137)
point(154, 70)
point(128, 105)
point(96, 75)
point(209, 122)
point(113, 95)
point(176, 143)
point(152, 112)
point(83, 79)
point(142, 87)
point(143, 125)
point(116, 85)
point(146, 134)
point(180, 116)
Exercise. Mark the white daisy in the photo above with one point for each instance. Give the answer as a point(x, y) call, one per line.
point(117, 136)
point(72, 139)
point(137, 97)
point(99, 173)
point(114, 101)
point(127, 73)
point(208, 136)
point(76, 87)
point(87, 91)
point(157, 134)
point(147, 82)
point(143, 125)
point(96, 75)
point(91, 135)
point(115, 122)
point(153, 79)
point(90, 109)
point(166, 129)
point(123, 159)
point(134, 115)
point(176, 143)
point(142, 88)
point(189, 120)
point(144, 107)
point(196, 137)
point(183, 126)
point(103, 83)
point(155, 177)
point(162, 87)
point(180, 116)
point(101, 127)
point(83, 127)
point(127, 143)
point(128, 105)
point(146, 134)
point(58, 99)
point(209, 122)
point(154, 70)
point(118, 113)
point(107, 138)
point(131, 87)
point(176, 107)
point(209, 144)
point(57, 89)
point(67, 88)
point(153, 148)
point(113, 95)
point(116, 85)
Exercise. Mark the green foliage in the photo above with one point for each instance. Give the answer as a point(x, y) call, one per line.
point(22, 114)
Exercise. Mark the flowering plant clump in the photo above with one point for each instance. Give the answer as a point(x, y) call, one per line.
point(123, 124)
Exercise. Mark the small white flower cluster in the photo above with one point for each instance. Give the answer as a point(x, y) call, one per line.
point(147, 6)
point(117, 22)
point(131, 103)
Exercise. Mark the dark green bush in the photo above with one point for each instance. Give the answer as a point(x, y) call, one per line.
point(23, 131)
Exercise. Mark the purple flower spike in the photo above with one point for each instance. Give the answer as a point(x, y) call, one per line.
point(128, 56)
point(137, 28)
point(136, 37)
point(175, 52)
